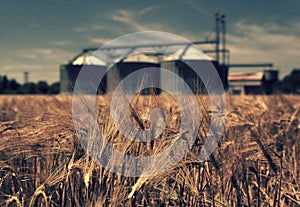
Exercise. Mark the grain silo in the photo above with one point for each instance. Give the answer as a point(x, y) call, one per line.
point(182, 62)
point(84, 61)
point(122, 69)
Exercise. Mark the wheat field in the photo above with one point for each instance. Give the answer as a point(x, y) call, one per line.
point(256, 163)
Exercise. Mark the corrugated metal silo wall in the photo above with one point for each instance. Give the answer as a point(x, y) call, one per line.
point(184, 70)
point(69, 75)
point(121, 70)
point(190, 76)
point(63, 79)
point(223, 73)
point(113, 78)
point(166, 80)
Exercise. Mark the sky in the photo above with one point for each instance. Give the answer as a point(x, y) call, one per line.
point(39, 36)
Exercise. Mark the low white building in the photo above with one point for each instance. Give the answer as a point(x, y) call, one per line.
point(253, 83)
point(246, 83)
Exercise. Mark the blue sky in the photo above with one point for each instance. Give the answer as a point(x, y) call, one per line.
point(37, 36)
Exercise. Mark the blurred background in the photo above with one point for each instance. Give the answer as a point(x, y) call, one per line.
point(37, 37)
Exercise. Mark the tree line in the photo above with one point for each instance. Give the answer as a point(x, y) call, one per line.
point(11, 86)
point(290, 84)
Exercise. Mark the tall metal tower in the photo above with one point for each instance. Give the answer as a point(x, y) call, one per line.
point(223, 24)
point(217, 22)
point(26, 77)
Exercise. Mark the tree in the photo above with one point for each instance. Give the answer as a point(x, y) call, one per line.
point(1, 89)
point(14, 85)
point(42, 87)
point(291, 83)
point(29, 88)
point(4, 83)
point(55, 88)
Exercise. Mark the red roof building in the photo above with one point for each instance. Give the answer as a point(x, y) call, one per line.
point(246, 83)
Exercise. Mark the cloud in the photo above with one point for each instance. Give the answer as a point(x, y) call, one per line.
point(62, 42)
point(79, 29)
point(195, 5)
point(94, 27)
point(265, 43)
point(42, 63)
point(129, 21)
point(98, 40)
point(127, 18)
point(119, 21)
point(42, 54)
point(147, 10)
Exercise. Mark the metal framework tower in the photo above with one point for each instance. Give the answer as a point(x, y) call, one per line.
point(26, 77)
point(217, 22)
point(223, 23)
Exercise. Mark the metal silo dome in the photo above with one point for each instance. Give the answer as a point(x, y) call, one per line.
point(87, 59)
point(141, 58)
point(190, 53)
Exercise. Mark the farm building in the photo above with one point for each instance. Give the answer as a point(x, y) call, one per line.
point(129, 65)
point(184, 61)
point(253, 83)
point(70, 71)
point(116, 73)
point(180, 62)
